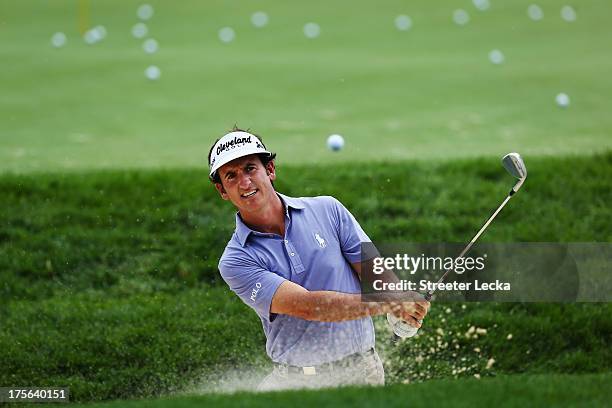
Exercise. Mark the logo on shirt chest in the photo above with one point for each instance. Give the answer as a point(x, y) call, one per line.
point(320, 240)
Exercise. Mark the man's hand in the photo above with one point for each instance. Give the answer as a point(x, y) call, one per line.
point(409, 306)
point(412, 310)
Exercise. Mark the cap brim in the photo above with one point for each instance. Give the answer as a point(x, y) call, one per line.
point(236, 154)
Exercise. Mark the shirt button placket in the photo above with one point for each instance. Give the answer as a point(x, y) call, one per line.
point(289, 249)
point(295, 260)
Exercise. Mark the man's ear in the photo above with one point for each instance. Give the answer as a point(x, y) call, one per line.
point(222, 191)
point(271, 170)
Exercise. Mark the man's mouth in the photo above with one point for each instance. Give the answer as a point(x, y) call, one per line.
point(249, 193)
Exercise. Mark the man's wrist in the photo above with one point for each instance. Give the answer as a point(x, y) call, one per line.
point(377, 308)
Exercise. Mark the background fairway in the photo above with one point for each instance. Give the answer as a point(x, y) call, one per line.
point(425, 93)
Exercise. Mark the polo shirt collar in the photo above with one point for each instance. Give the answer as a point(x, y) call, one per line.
point(243, 231)
point(292, 202)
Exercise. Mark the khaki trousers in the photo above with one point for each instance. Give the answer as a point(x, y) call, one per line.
point(357, 369)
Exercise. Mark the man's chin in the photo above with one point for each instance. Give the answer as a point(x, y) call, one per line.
point(249, 204)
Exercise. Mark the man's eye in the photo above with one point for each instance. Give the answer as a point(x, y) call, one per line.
point(229, 176)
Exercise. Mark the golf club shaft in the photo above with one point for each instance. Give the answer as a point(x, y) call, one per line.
point(411, 331)
point(430, 293)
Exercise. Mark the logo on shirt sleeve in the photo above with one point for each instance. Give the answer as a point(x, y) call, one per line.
point(320, 240)
point(255, 290)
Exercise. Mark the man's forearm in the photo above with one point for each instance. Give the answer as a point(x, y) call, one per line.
point(329, 306)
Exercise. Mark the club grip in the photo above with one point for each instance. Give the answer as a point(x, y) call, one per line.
point(401, 329)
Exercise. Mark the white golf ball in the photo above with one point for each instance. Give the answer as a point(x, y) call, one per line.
point(145, 12)
point(93, 36)
point(259, 19)
point(461, 17)
point(335, 142)
point(150, 46)
point(481, 5)
point(101, 31)
point(139, 30)
point(568, 13)
point(535, 12)
point(58, 40)
point(403, 22)
point(496, 57)
point(562, 100)
point(152, 73)
point(312, 30)
point(227, 34)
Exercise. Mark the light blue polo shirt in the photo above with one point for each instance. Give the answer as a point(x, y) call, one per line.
point(321, 239)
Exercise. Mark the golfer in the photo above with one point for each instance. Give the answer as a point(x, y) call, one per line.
point(296, 263)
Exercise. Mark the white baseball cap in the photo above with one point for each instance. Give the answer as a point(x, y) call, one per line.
point(232, 146)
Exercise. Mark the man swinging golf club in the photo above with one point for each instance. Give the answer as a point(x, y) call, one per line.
point(296, 263)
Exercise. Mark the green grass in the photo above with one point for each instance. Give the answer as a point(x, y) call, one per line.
point(109, 281)
point(122, 346)
point(426, 93)
point(505, 391)
point(115, 347)
point(163, 230)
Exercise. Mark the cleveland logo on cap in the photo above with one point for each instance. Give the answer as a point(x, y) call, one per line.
point(230, 144)
point(234, 145)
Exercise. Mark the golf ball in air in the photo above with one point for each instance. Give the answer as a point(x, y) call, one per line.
point(94, 35)
point(150, 46)
point(568, 13)
point(101, 31)
point(335, 142)
point(461, 17)
point(562, 100)
point(535, 12)
point(227, 34)
point(481, 5)
point(139, 30)
point(259, 19)
point(496, 57)
point(145, 12)
point(58, 40)
point(312, 30)
point(403, 22)
point(152, 73)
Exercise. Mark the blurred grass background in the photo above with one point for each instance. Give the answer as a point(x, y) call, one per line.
point(426, 93)
point(110, 232)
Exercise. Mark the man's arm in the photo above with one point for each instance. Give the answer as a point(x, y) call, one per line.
point(329, 306)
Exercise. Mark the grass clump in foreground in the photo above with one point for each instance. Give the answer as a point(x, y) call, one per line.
point(106, 347)
point(110, 286)
point(138, 346)
point(504, 391)
point(487, 339)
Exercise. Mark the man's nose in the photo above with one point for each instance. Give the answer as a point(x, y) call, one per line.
point(245, 181)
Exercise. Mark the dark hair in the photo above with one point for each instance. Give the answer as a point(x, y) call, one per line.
point(265, 159)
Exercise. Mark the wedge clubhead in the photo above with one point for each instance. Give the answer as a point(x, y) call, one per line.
point(515, 165)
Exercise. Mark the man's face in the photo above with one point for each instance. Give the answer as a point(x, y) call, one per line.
point(247, 183)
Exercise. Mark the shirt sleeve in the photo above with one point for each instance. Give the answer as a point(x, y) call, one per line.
point(254, 285)
point(352, 237)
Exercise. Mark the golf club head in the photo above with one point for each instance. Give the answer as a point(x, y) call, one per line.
point(515, 165)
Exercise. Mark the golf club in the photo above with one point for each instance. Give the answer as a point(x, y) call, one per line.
point(514, 164)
